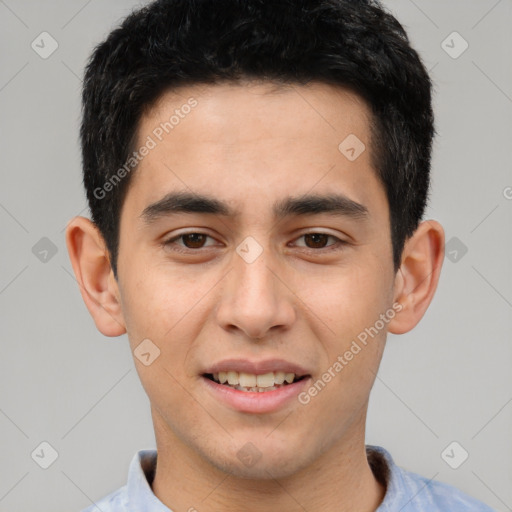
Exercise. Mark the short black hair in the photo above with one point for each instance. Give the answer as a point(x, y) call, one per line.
point(353, 44)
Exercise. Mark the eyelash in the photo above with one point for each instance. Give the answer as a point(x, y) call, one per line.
point(338, 245)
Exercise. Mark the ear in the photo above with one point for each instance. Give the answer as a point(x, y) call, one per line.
point(91, 264)
point(416, 279)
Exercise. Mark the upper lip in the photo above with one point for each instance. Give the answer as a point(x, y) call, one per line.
point(257, 367)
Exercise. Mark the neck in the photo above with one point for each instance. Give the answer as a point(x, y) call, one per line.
point(339, 480)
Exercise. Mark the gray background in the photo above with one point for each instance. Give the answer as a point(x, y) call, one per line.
point(62, 382)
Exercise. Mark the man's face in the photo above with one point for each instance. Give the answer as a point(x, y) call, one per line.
point(257, 292)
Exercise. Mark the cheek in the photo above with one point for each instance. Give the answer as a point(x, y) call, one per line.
point(161, 309)
point(345, 301)
point(348, 306)
point(166, 306)
point(156, 298)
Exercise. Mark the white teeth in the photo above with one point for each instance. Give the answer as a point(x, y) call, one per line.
point(251, 382)
point(233, 378)
point(264, 381)
point(246, 380)
point(279, 377)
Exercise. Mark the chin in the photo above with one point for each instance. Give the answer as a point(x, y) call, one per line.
point(260, 460)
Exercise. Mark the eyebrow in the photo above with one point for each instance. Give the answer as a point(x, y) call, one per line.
point(307, 204)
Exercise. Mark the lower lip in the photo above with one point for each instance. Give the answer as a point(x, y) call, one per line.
point(256, 402)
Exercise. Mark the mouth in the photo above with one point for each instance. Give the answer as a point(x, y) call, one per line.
point(254, 383)
point(256, 387)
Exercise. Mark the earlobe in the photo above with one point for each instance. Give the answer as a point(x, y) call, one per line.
point(417, 278)
point(91, 265)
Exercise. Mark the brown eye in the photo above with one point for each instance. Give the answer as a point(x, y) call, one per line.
point(318, 240)
point(195, 240)
point(187, 242)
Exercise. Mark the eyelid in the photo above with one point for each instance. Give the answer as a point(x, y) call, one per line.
point(329, 235)
point(338, 245)
point(176, 237)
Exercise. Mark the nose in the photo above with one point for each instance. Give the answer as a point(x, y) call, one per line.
point(256, 298)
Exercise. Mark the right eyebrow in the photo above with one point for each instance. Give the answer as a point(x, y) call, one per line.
point(185, 202)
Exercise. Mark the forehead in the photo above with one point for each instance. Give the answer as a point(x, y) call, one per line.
point(268, 139)
point(244, 110)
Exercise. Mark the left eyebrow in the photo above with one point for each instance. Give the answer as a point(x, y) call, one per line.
point(312, 204)
point(307, 204)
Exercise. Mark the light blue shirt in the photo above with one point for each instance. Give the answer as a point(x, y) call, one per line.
point(406, 491)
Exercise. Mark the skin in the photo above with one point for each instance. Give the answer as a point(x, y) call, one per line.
point(250, 145)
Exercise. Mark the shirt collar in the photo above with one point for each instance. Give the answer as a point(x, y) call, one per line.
point(140, 476)
point(403, 488)
point(143, 465)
